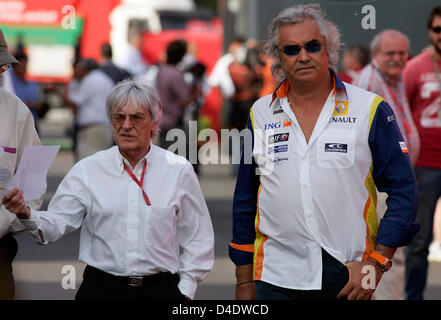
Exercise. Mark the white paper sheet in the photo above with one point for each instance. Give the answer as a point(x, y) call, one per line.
point(32, 171)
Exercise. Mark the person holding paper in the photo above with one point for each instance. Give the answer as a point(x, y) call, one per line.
point(146, 231)
point(17, 131)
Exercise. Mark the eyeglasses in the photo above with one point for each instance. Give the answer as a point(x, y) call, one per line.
point(312, 46)
point(4, 67)
point(436, 29)
point(136, 119)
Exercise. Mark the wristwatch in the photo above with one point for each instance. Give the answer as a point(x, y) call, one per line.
point(385, 263)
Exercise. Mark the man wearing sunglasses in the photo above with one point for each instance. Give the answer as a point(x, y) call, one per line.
point(17, 131)
point(304, 214)
point(422, 80)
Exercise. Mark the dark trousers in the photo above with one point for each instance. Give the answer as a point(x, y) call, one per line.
point(99, 285)
point(8, 250)
point(334, 277)
point(429, 188)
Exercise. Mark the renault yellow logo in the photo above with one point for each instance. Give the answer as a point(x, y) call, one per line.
point(341, 108)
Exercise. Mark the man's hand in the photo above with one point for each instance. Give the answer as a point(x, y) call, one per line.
point(15, 203)
point(354, 290)
point(245, 287)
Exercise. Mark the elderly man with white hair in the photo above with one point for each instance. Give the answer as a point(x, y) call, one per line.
point(383, 76)
point(146, 231)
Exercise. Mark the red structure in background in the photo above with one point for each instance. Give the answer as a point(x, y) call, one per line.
point(206, 35)
point(96, 24)
point(208, 38)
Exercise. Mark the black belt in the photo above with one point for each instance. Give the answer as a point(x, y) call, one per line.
point(134, 281)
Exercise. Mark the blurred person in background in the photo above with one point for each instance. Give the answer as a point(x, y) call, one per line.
point(435, 246)
point(355, 58)
point(146, 232)
point(131, 59)
point(269, 84)
point(17, 130)
point(86, 96)
point(116, 73)
point(220, 75)
point(28, 91)
point(422, 81)
point(383, 76)
point(195, 76)
point(243, 72)
point(175, 93)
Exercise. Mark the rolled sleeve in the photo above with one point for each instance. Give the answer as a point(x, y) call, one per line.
point(241, 248)
point(393, 174)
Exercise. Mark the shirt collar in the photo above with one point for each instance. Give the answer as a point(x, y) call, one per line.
point(120, 160)
point(339, 88)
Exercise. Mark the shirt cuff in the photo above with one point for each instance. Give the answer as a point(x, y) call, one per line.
point(396, 233)
point(240, 257)
point(32, 227)
point(187, 285)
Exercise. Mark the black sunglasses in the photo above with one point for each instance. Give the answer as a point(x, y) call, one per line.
point(312, 46)
point(436, 29)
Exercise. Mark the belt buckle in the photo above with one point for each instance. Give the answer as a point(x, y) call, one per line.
point(135, 281)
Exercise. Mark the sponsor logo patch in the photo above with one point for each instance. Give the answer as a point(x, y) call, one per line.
point(341, 108)
point(278, 149)
point(403, 147)
point(278, 160)
point(287, 123)
point(281, 137)
point(336, 147)
point(277, 125)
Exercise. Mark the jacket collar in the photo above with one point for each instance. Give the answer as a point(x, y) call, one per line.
point(282, 89)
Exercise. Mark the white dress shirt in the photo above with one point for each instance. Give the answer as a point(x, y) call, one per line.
point(90, 97)
point(320, 194)
point(120, 234)
point(132, 61)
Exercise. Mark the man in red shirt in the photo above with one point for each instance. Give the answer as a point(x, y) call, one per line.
point(422, 80)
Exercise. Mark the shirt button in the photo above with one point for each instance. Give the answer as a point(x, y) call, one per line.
point(305, 186)
point(309, 215)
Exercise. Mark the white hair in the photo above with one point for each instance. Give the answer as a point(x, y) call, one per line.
point(138, 93)
point(375, 43)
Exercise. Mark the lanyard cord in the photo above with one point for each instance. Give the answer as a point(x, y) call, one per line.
point(438, 77)
point(140, 184)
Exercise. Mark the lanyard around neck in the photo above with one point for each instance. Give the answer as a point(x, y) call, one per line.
point(140, 184)
point(438, 77)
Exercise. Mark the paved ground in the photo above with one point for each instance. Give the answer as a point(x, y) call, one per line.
point(40, 270)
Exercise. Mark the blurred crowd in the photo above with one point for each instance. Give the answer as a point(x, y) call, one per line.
point(243, 75)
